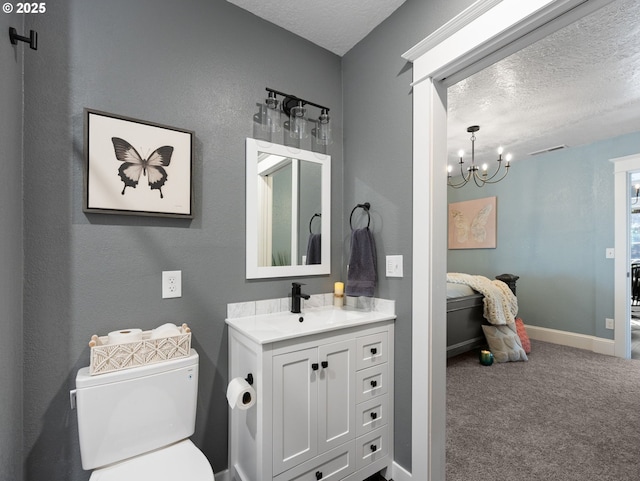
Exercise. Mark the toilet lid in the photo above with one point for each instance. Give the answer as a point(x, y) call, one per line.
point(181, 460)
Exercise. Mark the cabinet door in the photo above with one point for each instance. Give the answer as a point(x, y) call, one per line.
point(336, 394)
point(295, 408)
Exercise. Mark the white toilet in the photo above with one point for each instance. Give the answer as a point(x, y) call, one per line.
point(135, 424)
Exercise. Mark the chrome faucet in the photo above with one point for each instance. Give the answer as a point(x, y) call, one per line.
point(296, 295)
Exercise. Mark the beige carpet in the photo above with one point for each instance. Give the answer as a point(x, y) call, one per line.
point(566, 414)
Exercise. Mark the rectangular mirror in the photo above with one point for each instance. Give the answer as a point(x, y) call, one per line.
point(288, 211)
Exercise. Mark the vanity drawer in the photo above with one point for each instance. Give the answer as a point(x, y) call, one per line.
point(371, 382)
point(371, 350)
point(371, 414)
point(330, 466)
point(372, 447)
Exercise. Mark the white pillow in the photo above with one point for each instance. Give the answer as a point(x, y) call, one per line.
point(504, 343)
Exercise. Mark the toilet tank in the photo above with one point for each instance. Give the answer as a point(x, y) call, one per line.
point(125, 413)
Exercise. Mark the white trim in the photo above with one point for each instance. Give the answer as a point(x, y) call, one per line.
point(398, 473)
point(460, 21)
point(222, 475)
point(622, 166)
point(572, 339)
point(487, 37)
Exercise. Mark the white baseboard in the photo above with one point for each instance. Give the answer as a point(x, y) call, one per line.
point(398, 473)
point(572, 339)
point(222, 475)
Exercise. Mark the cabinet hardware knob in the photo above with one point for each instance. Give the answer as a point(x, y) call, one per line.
point(314, 366)
point(325, 364)
point(318, 474)
point(374, 415)
point(374, 350)
point(374, 383)
point(374, 448)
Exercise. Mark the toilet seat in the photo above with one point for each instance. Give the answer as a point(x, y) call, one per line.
point(182, 460)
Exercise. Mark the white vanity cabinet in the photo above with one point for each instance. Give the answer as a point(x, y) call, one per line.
point(324, 401)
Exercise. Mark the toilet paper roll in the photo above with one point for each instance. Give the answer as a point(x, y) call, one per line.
point(240, 394)
point(125, 335)
point(166, 330)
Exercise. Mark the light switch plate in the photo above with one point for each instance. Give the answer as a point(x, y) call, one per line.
point(394, 266)
point(609, 253)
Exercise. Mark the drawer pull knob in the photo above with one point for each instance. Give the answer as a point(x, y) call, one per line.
point(314, 366)
point(374, 350)
point(318, 474)
point(374, 448)
point(325, 364)
point(374, 383)
point(374, 415)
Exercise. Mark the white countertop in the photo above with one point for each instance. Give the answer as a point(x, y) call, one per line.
point(279, 326)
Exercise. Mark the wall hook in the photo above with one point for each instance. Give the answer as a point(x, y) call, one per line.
point(32, 39)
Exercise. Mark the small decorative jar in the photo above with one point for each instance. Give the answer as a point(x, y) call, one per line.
point(486, 358)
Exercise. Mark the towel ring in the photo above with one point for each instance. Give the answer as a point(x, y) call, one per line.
point(366, 206)
point(311, 220)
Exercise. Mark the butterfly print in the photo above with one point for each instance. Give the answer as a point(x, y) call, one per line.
point(476, 227)
point(133, 165)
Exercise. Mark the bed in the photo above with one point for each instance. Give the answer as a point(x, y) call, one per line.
point(465, 316)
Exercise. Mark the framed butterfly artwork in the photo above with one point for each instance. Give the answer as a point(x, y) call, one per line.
point(472, 224)
point(135, 167)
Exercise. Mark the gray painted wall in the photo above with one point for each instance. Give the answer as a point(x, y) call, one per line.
point(201, 65)
point(11, 251)
point(555, 220)
point(378, 165)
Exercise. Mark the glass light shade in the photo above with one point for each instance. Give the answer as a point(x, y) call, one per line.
point(271, 114)
point(323, 133)
point(297, 122)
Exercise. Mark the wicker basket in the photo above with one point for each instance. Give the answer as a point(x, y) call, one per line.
point(107, 357)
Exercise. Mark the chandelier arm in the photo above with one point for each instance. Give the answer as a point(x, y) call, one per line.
point(489, 181)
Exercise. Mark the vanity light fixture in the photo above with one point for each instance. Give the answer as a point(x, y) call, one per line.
point(271, 114)
point(480, 175)
point(294, 107)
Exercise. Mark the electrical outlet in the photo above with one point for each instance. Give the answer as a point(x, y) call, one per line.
point(608, 323)
point(171, 284)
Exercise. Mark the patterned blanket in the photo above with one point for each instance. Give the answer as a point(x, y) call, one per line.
point(500, 304)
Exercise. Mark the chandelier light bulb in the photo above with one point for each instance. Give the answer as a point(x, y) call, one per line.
point(449, 168)
point(509, 157)
point(485, 167)
point(500, 150)
point(460, 153)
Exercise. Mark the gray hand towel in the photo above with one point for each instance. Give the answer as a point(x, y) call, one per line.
point(362, 274)
point(314, 249)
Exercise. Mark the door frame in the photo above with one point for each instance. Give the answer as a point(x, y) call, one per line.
point(484, 33)
point(623, 167)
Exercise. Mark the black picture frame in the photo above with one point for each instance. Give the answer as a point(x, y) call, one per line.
point(136, 167)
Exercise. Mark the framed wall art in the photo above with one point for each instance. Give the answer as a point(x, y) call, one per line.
point(472, 224)
point(136, 167)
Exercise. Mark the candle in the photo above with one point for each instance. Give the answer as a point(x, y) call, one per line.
point(486, 358)
point(338, 294)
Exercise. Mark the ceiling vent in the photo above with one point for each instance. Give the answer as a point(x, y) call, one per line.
point(548, 149)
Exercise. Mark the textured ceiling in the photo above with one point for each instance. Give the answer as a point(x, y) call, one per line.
point(574, 87)
point(336, 25)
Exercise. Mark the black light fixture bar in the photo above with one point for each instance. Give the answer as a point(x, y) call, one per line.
point(295, 99)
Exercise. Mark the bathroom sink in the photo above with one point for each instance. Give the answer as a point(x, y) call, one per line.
point(286, 325)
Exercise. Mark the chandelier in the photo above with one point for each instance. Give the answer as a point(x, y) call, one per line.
point(480, 175)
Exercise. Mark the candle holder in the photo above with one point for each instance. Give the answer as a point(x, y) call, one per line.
point(486, 358)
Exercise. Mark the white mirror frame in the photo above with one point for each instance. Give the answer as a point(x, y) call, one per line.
point(253, 270)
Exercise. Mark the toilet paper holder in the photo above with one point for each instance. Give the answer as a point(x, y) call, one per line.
point(249, 379)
